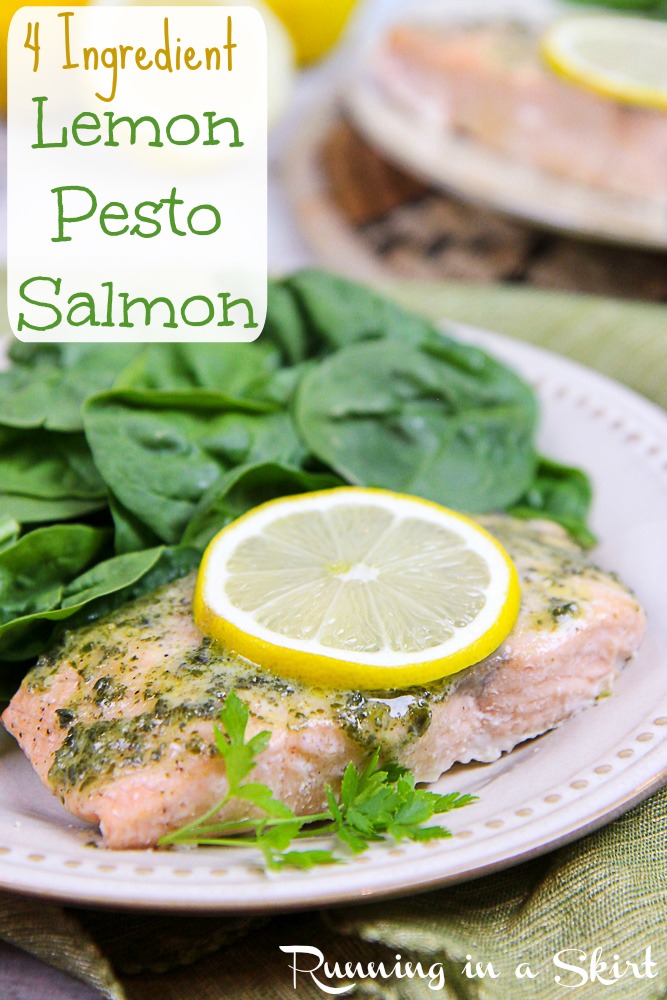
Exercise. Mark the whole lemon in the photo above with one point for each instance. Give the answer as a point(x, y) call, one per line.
point(7, 9)
point(314, 25)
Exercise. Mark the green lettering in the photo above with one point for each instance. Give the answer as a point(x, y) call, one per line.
point(134, 125)
point(172, 201)
point(107, 213)
point(227, 306)
point(40, 144)
point(212, 125)
point(148, 310)
point(210, 308)
point(79, 124)
point(109, 317)
point(86, 305)
point(63, 219)
point(183, 142)
point(23, 323)
point(204, 208)
point(157, 228)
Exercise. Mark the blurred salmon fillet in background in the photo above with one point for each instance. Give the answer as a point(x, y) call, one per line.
point(490, 83)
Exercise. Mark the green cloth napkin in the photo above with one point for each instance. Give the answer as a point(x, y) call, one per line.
point(606, 891)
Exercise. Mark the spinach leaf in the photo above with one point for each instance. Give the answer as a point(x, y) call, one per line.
point(10, 529)
point(49, 383)
point(339, 312)
point(35, 510)
point(47, 476)
point(53, 400)
point(562, 494)
point(130, 534)
point(68, 356)
point(655, 8)
point(37, 568)
point(48, 464)
point(233, 369)
point(246, 487)
point(124, 578)
point(285, 326)
point(438, 419)
point(97, 592)
point(159, 452)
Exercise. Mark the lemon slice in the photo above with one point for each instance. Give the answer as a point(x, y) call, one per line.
point(624, 58)
point(357, 588)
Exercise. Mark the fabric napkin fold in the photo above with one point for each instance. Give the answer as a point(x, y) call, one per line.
point(608, 890)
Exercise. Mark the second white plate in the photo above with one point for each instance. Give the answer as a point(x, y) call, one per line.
point(477, 174)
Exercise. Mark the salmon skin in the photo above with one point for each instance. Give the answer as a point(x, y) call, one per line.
point(118, 718)
point(489, 83)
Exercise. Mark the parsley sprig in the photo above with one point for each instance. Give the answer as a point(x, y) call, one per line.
point(374, 804)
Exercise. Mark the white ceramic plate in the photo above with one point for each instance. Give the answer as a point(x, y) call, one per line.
point(544, 793)
point(480, 175)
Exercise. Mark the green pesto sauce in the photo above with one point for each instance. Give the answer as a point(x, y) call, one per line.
point(570, 609)
point(125, 715)
point(369, 717)
point(98, 750)
point(149, 685)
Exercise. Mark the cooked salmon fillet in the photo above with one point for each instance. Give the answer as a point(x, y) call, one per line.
point(489, 82)
point(118, 718)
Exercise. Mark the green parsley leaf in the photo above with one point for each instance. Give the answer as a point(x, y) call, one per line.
point(234, 717)
point(262, 796)
point(376, 803)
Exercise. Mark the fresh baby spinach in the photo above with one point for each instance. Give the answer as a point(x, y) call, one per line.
point(444, 422)
point(160, 452)
point(55, 595)
point(153, 448)
point(562, 494)
point(246, 487)
point(10, 529)
point(49, 383)
point(34, 574)
point(238, 370)
point(336, 312)
point(47, 476)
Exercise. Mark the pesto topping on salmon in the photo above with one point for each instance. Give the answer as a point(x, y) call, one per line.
point(148, 684)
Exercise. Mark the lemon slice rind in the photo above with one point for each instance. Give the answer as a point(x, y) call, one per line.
point(612, 56)
point(308, 660)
